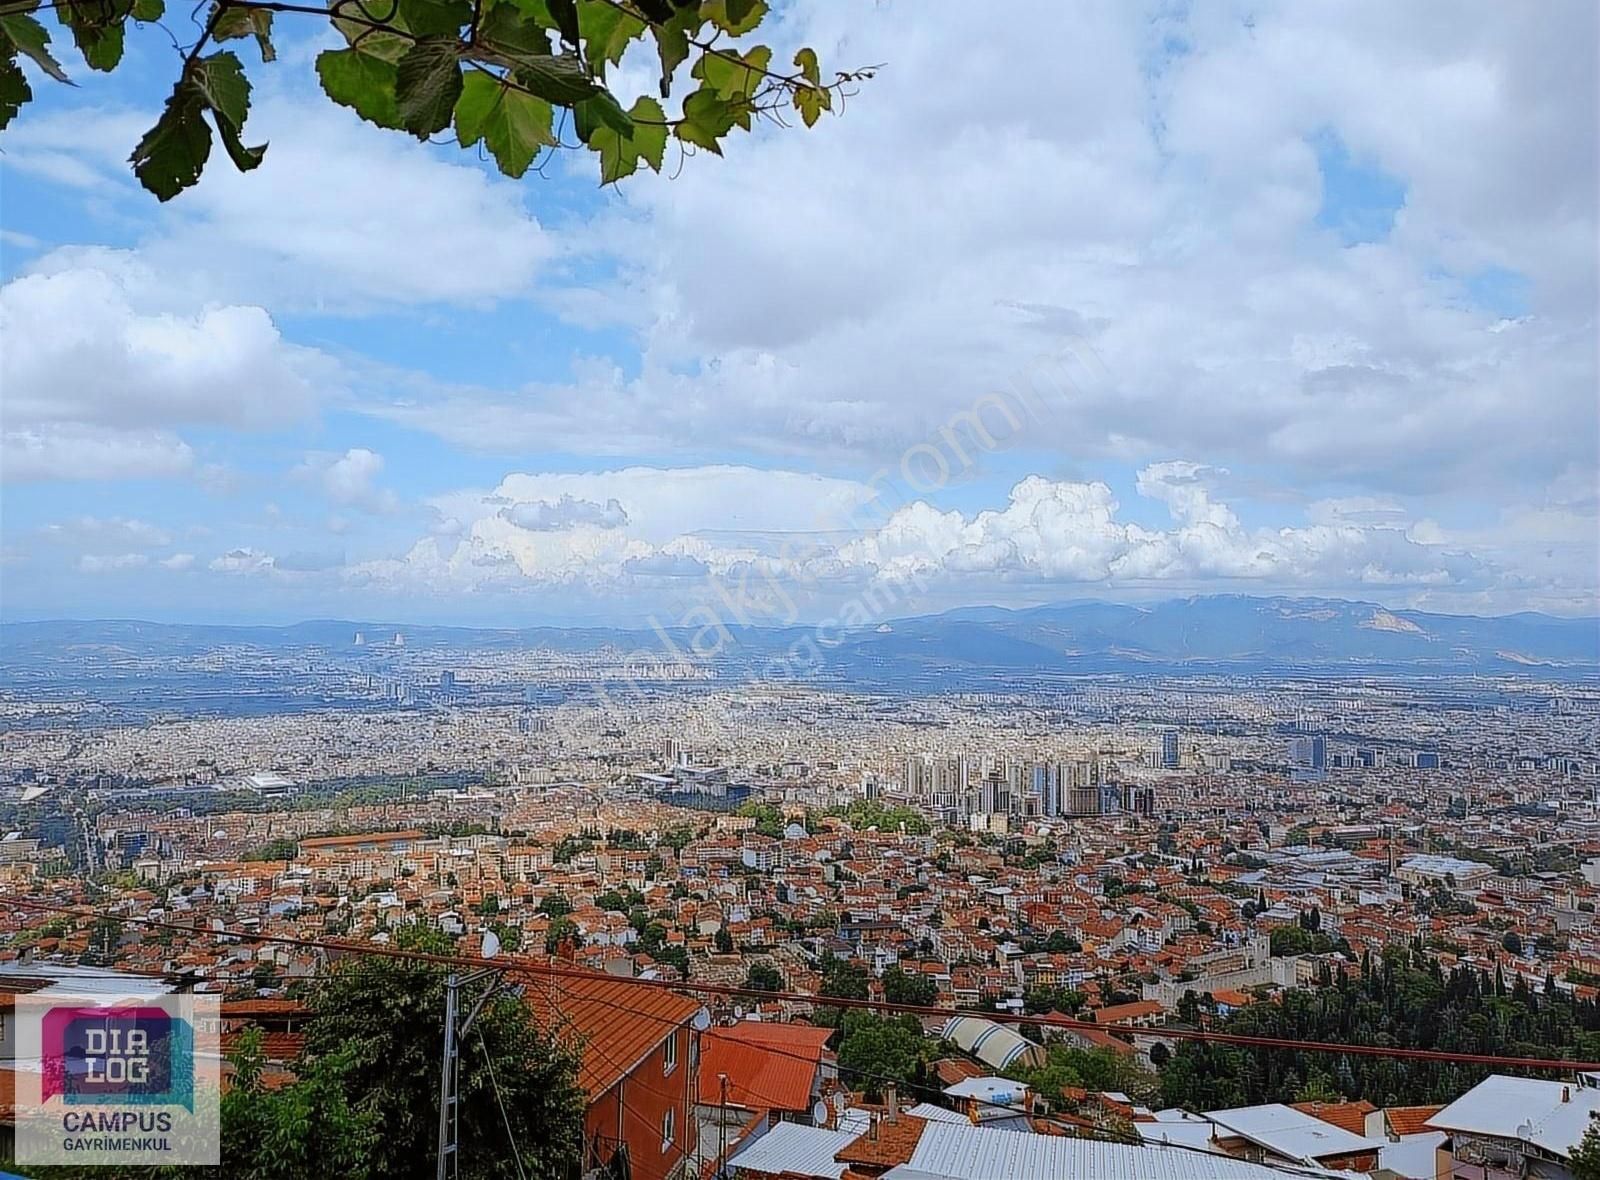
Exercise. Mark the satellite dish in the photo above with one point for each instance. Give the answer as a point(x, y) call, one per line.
point(702, 1019)
point(819, 1113)
point(491, 944)
point(841, 1101)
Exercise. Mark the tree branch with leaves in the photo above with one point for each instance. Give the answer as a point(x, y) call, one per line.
point(507, 76)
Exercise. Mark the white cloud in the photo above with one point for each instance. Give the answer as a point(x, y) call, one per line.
point(73, 451)
point(98, 563)
point(116, 532)
point(243, 560)
point(1145, 189)
point(340, 216)
point(1050, 532)
point(349, 479)
point(178, 562)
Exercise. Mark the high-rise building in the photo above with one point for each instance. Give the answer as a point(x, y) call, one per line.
point(1309, 751)
point(1169, 750)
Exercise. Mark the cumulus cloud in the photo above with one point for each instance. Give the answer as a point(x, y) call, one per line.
point(243, 560)
point(349, 479)
point(566, 513)
point(178, 562)
point(1049, 532)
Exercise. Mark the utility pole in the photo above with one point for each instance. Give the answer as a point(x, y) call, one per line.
point(450, 1061)
point(449, 1078)
point(722, 1127)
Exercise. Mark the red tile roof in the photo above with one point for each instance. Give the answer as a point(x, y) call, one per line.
point(1351, 1116)
point(615, 1023)
point(760, 1061)
point(1410, 1120)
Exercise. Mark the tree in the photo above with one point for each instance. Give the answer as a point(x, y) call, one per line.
point(763, 977)
point(385, 1016)
point(1512, 943)
point(724, 941)
point(561, 930)
point(309, 1127)
point(902, 987)
point(875, 1048)
point(491, 72)
point(556, 905)
point(1586, 1156)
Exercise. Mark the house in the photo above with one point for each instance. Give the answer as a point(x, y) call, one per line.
point(769, 1066)
point(639, 1067)
point(1527, 1127)
point(1277, 1134)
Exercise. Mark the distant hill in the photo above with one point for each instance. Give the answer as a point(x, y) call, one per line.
point(1219, 631)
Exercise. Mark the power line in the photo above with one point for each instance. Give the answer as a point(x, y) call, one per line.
point(1062, 1023)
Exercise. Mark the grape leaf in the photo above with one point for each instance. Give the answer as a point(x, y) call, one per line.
point(733, 75)
point(811, 101)
point(607, 33)
point(29, 36)
point(706, 118)
point(14, 90)
point(557, 78)
point(362, 81)
point(735, 17)
point(427, 84)
point(511, 124)
point(504, 27)
point(434, 18)
point(565, 14)
point(148, 10)
point(97, 29)
point(247, 22)
point(806, 62)
point(170, 156)
point(620, 154)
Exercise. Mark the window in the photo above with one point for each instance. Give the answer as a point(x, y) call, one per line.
point(672, 1054)
point(669, 1124)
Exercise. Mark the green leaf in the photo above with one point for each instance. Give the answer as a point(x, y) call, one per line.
point(435, 18)
point(733, 75)
point(706, 119)
point(607, 33)
point(14, 90)
point(620, 154)
point(97, 29)
point(361, 81)
point(349, 20)
point(806, 62)
point(172, 153)
point(505, 27)
point(600, 111)
point(511, 124)
point(558, 79)
point(735, 17)
point(565, 14)
point(247, 22)
point(811, 101)
point(427, 85)
point(148, 10)
point(30, 37)
point(672, 42)
point(226, 90)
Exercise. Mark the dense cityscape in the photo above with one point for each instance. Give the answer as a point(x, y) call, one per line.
point(1034, 893)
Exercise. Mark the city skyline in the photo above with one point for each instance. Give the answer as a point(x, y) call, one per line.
point(1163, 334)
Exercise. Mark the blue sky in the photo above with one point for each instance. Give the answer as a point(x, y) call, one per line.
point(1191, 300)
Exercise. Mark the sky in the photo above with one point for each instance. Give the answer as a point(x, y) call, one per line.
point(1116, 301)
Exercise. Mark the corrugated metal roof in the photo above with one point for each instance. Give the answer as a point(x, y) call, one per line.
point(790, 1148)
point(1291, 1133)
point(967, 1153)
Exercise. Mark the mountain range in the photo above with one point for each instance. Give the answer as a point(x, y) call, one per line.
point(1220, 632)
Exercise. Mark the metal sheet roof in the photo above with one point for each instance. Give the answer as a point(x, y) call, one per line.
point(797, 1150)
point(1291, 1133)
point(968, 1153)
point(1550, 1115)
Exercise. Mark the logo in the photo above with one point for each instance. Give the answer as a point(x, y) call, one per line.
point(118, 1080)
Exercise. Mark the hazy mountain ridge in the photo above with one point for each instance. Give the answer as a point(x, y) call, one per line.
point(1212, 630)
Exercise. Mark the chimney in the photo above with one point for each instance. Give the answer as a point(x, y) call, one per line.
point(1566, 1093)
point(891, 1099)
point(872, 1128)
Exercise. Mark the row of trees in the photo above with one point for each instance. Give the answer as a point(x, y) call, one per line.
point(1401, 998)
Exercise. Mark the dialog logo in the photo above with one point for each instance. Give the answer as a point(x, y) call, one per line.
point(119, 1080)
